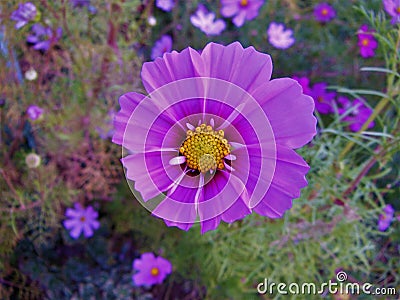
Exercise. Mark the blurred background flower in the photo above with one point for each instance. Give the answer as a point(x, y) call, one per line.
point(279, 37)
point(366, 41)
point(150, 270)
point(26, 12)
point(206, 22)
point(324, 12)
point(163, 45)
point(80, 219)
point(241, 10)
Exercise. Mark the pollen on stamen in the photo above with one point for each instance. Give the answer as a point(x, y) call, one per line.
point(205, 149)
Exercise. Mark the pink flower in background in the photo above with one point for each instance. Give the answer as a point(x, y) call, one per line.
point(392, 7)
point(386, 218)
point(166, 5)
point(163, 45)
point(359, 113)
point(323, 99)
point(150, 269)
point(323, 12)
point(81, 219)
point(34, 112)
point(215, 137)
point(366, 42)
point(305, 84)
point(206, 22)
point(241, 10)
point(25, 13)
point(279, 37)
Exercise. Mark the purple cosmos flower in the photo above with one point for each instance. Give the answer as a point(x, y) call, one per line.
point(386, 218)
point(323, 12)
point(163, 45)
point(151, 270)
point(279, 37)
point(34, 112)
point(359, 113)
point(214, 138)
point(366, 42)
point(242, 10)
point(392, 7)
point(43, 37)
point(166, 5)
point(81, 219)
point(25, 13)
point(305, 84)
point(206, 22)
point(323, 99)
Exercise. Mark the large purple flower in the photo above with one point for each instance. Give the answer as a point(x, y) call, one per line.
point(43, 37)
point(25, 13)
point(242, 10)
point(359, 113)
point(214, 138)
point(151, 270)
point(392, 7)
point(323, 99)
point(366, 42)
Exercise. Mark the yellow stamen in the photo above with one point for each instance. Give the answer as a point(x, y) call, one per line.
point(324, 12)
point(244, 3)
point(154, 271)
point(365, 42)
point(205, 148)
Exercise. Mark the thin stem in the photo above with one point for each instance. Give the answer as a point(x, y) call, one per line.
point(11, 186)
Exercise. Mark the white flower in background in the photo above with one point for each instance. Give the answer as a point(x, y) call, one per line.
point(31, 74)
point(32, 160)
point(206, 22)
point(152, 21)
point(279, 37)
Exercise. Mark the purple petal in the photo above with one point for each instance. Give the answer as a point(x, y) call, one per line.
point(76, 231)
point(288, 179)
point(173, 66)
point(235, 59)
point(284, 104)
point(87, 230)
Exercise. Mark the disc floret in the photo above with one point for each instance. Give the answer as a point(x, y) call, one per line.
point(205, 148)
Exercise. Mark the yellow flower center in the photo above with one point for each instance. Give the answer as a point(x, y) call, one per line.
point(324, 12)
point(244, 3)
point(205, 148)
point(320, 99)
point(365, 42)
point(154, 271)
point(398, 10)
